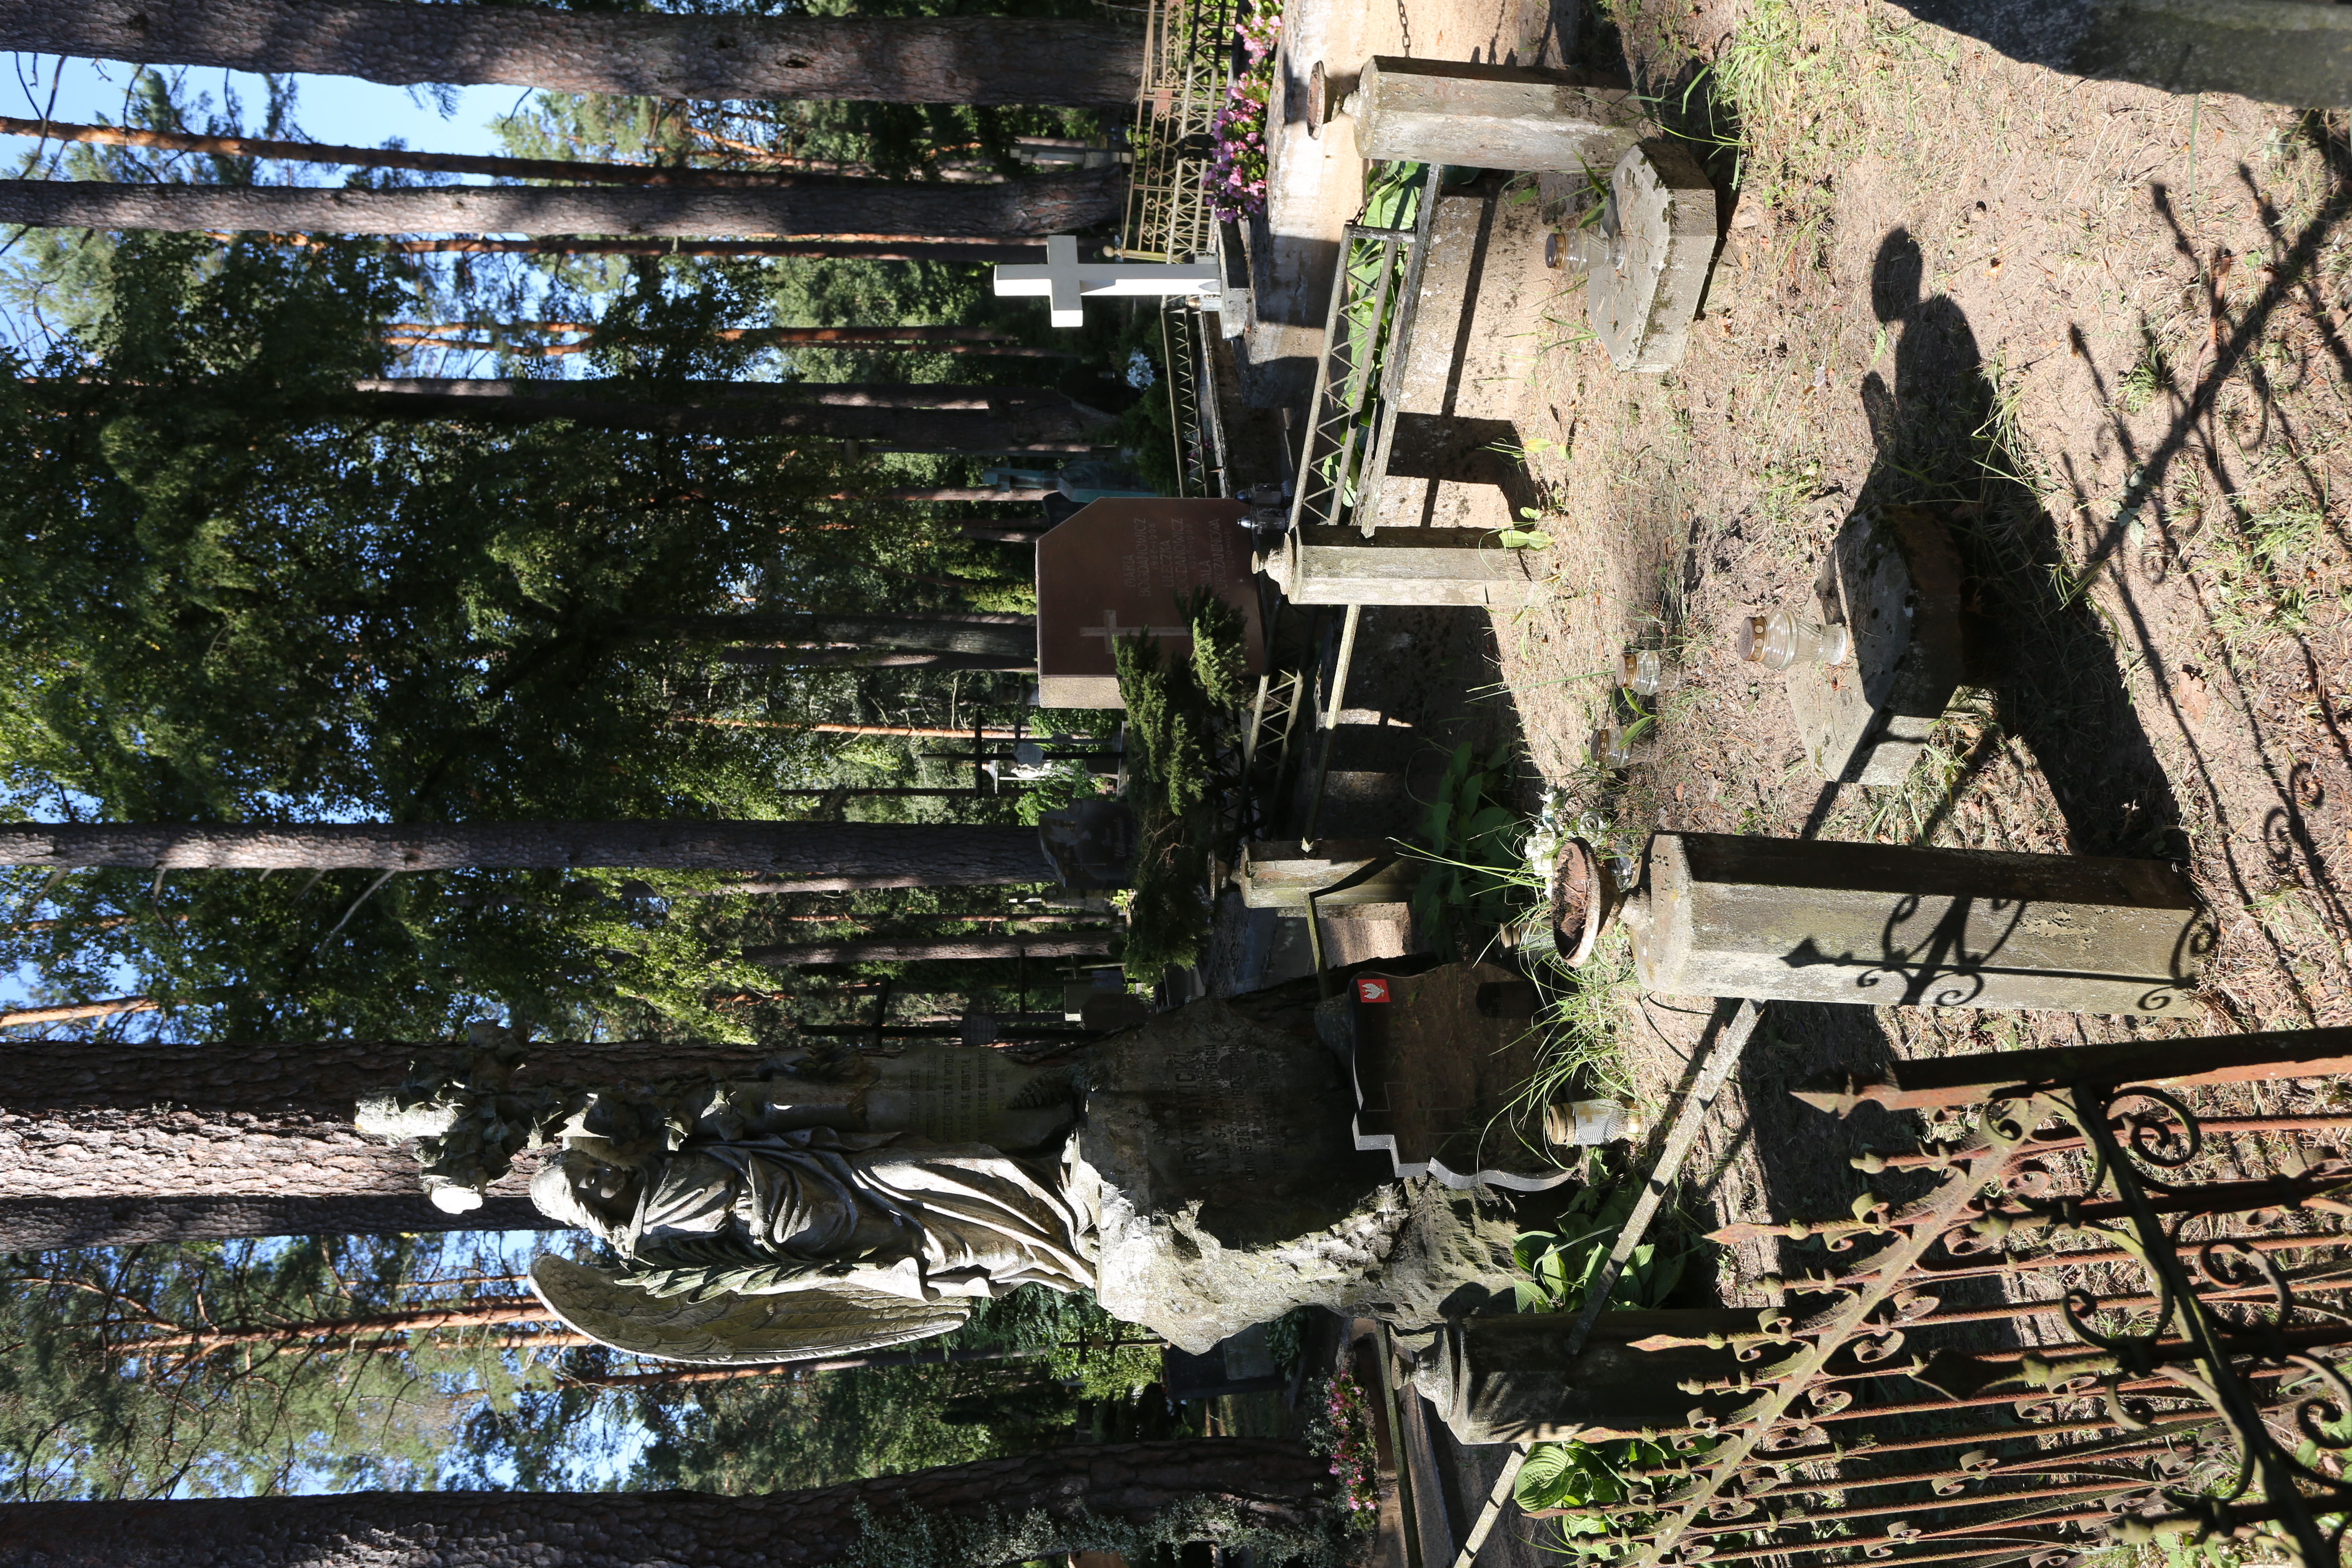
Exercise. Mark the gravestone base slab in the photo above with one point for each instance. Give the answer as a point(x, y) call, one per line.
point(1892, 581)
point(1645, 294)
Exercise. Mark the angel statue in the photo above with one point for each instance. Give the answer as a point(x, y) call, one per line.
point(840, 1205)
point(1198, 1172)
point(803, 1242)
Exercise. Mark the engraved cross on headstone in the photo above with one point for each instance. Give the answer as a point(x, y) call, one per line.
point(1110, 629)
point(1064, 279)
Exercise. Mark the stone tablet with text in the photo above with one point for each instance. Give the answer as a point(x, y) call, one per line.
point(1115, 569)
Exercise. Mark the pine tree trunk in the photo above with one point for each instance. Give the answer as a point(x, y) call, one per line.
point(959, 60)
point(66, 1012)
point(415, 1319)
point(946, 493)
point(923, 248)
point(37, 1225)
point(944, 856)
point(474, 392)
point(831, 337)
point(107, 1120)
point(402, 158)
point(1077, 1498)
point(921, 950)
point(863, 659)
point(1002, 636)
point(1054, 205)
point(1038, 428)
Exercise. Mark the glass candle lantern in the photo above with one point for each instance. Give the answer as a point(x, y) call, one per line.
point(1611, 748)
point(1780, 639)
point(1645, 672)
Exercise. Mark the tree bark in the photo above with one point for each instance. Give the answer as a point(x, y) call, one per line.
point(107, 1121)
point(1036, 427)
point(945, 856)
point(860, 337)
point(959, 60)
point(402, 158)
point(1251, 1483)
point(910, 249)
point(945, 493)
point(36, 1225)
point(475, 1314)
point(478, 392)
point(66, 1013)
point(1055, 204)
point(863, 659)
point(1002, 636)
point(919, 950)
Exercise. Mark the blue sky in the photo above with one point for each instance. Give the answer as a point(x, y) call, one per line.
point(327, 109)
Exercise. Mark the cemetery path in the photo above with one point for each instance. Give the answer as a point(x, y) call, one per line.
point(2101, 331)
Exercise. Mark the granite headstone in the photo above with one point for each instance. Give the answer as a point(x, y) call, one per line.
point(1116, 569)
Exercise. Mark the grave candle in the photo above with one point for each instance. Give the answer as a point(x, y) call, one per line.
point(1645, 672)
point(1894, 925)
point(1613, 749)
point(1780, 639)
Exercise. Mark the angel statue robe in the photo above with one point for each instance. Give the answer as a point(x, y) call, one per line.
point(804, 1242)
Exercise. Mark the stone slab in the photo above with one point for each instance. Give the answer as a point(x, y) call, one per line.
point(1402, 566)
point(1893, 579)
point(1644, 296)
point(1479, 322)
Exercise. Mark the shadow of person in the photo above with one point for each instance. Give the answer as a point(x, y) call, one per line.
point(1943, 442)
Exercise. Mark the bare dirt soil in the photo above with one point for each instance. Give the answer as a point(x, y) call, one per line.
point(2101, 331)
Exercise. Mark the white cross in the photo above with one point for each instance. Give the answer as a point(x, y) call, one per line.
point(1064, 278)
point(1111, 628)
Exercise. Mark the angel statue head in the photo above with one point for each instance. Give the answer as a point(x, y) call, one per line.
point(584, 1193)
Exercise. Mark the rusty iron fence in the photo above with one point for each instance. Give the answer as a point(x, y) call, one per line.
point(2071, 1315)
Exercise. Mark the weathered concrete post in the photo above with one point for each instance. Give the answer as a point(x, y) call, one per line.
point(1490, 117)
point(1322, 565)
point(1784, 920)
point(1278, 876)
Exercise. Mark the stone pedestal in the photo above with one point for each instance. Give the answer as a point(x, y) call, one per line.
point(1232, 1189)
point(1401, 567)
point(1509, 1380)
point(1490, 117)
point(1279, 874)
point(1441, 1057)
point(1660, 233)
point(1892, 581)
point(1889, 925)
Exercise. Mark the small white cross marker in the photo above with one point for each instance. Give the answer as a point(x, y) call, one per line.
point(1064, 278)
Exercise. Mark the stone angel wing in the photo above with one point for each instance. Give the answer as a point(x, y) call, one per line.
point(727, 1329)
